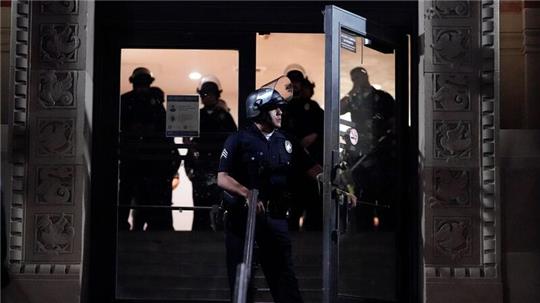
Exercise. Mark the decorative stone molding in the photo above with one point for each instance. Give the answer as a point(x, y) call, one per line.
point(54, 233)
point(59, 43)
point(20, 58)
point(451, 45)
point(56, 137)
point(451, 92)
point(489, 129)
point(451, 188)
point(448, 9)
point(452, 237)
point(453, 140)
point(55, 185)
point(60, 7)
point(461, 244)
point(45, 227)
point(57, 89)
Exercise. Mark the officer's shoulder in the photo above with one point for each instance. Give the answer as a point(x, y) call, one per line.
point(157, 91)
point(314, 105)
point(127, 94)
point(283, 134)
point(245, 132)
point(222, 111)
point(384, 94)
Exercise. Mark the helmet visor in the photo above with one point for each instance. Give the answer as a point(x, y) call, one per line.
point(282, 85)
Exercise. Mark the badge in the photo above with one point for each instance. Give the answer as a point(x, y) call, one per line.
point(288, 146)
point(353, 136)
point(306, 107)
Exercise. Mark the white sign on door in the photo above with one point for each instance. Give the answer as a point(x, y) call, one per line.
point(182, 116)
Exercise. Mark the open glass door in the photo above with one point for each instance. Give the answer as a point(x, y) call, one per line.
point(362, 159)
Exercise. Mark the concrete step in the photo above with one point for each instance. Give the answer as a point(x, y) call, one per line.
point(191, 266)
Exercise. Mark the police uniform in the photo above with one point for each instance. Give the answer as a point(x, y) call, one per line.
point(150, 160)
point(371, 142)
point(202, 161)
point(268, 165)
point(302, 117)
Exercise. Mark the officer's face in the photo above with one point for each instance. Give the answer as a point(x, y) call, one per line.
point(360, 79)
point(275, 117)
point(208, 98)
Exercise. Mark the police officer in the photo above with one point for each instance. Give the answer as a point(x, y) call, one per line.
point(216, 124)
point(150, 160)
point(261, 156)
point(304, 119)
point(370, 150)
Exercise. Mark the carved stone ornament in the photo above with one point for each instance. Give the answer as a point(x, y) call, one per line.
point(451, 45)
point(59, 7)
point(55, 185)
point(54, 233)
point(452, 237)
point(56, 137)
point(451, 188)
point(448, 9)
point(451, 92)
point(453, 140)
point(57, 89)
point(59, 43)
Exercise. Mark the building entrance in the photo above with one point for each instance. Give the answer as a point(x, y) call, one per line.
point(184, 265)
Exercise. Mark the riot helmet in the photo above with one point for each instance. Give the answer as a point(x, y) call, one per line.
point(209, 82)
point(141, 75)
point(295, 72)
point(359, 77)
point(297, 75)
point(271, 95)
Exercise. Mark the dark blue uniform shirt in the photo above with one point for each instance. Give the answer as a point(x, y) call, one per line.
point(267, 165)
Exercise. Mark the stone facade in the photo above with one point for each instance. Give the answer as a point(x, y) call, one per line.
point(49, 156)
point(50, 126)
point(459, 122)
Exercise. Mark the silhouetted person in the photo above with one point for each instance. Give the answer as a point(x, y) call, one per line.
point(303, 118)
point(201, 163)
point(150, 160)
point(370, 150)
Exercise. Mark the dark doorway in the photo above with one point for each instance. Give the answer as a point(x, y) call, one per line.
point(210, 26)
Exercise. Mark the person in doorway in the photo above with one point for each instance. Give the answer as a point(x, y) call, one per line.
point(262, 157)
point(150, 160)
point(370, 151)
point(202, 160)
point(304, 119)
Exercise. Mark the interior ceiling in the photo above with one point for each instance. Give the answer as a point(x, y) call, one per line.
point(275, 52)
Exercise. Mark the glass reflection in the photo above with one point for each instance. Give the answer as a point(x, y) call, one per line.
point(368, 157)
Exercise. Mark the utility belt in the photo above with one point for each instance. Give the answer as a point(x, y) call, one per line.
point(275, 208)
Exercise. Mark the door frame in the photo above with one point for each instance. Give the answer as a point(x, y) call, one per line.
point(162, 25)
point(386, 41)
point(105, 130)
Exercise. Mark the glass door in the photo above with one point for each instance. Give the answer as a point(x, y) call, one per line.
point(361, 163)
point(177, 103)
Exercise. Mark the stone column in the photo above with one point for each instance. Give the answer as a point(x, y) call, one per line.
point(51, 70)
point(531, 51)
point(458, 127)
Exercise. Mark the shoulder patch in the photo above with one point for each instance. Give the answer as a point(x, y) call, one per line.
point(288, 146)
point(224, 153)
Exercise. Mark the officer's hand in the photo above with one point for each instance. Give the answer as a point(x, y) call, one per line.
point(260, 207)
point(351, 200)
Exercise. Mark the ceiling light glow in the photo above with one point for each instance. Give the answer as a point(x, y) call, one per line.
point(195, 76)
